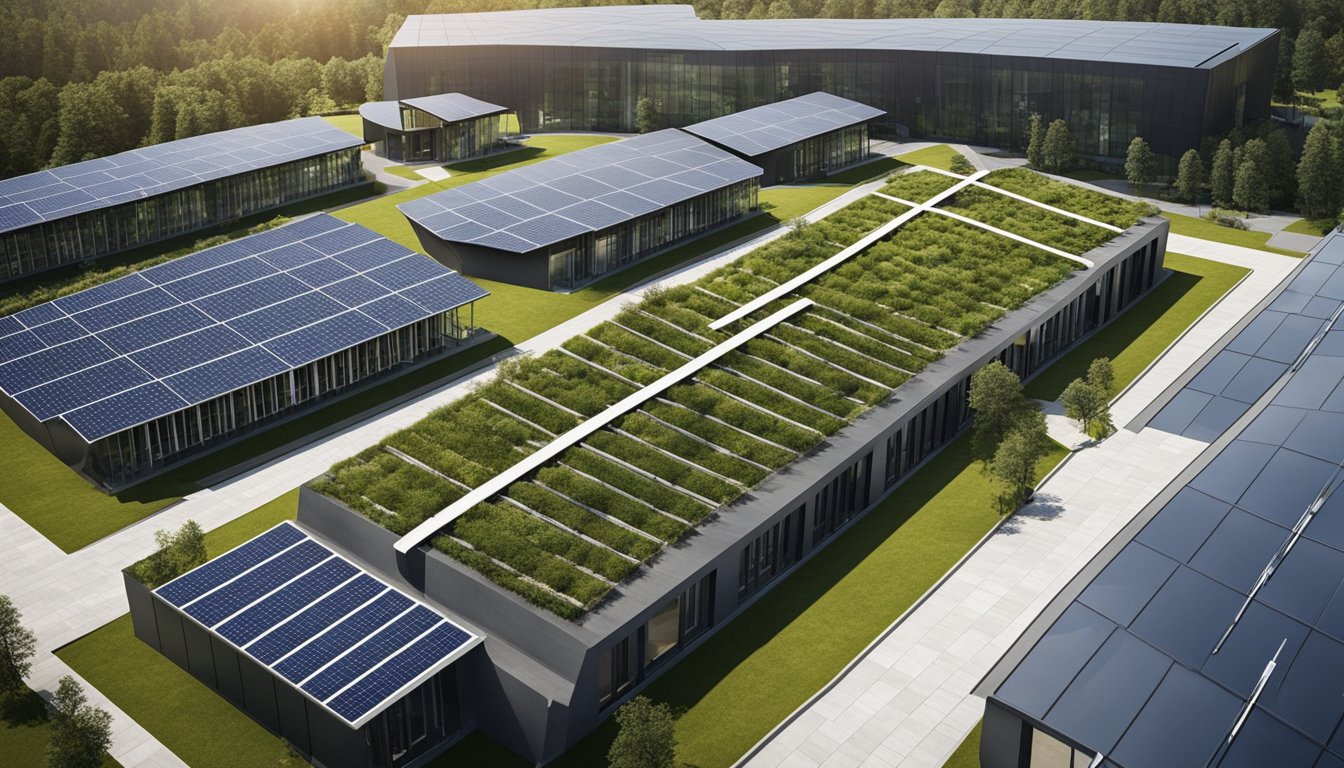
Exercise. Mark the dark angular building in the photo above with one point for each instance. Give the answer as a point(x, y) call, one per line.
point(973, 80)
point(95, 208)
point(433, 129)
point(562, 223)
point(1210, 632)
point(796, 139)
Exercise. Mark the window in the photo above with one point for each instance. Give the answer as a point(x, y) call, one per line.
point(842, 498)
point(1049, 752)
point(662, 633)
point(615, 671)
point(778, 547)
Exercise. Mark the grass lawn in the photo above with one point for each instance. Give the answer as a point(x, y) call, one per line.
point(1317, 227)
point(968, 754)
point(937, 156)
point(25, 732)
point(348, 123)
point(404, 172)
point(1207, 230)
point(1137, 337)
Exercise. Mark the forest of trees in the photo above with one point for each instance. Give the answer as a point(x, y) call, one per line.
point(85, 78)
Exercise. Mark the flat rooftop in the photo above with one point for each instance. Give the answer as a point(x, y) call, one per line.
point(678, 28)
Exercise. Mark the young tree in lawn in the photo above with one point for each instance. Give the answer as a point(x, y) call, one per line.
point(1190, 176)
point(647, 737)
point(17, 645)
point(1318, 186)
point(999, 404)
point(1059, 147)
point(80, 733)
point(1140, 163)
point(1016, 457)
point(1224, 174)
point(1251, 184)
point(646, 115)
point(1086, 403)
point(1035, 142)
point(1101, 374)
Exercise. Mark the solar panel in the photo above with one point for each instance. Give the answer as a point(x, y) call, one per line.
point(313, 618)
point(139, 173)
point(195, 324)
point(773, 126)
point(516, 210)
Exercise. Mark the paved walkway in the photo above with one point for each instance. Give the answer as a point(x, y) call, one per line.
point(907, 700)
point(65, 596)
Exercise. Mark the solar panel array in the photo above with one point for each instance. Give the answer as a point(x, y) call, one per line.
point(448, 107)
point(580, 192)
point(149, 171)
point(180, 333)
point(1158, 654)
point(342, 637)
point(762, 129)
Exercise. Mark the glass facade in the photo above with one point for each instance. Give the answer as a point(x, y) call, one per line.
point(678, 622)
point(416, 723)
point(840, 500)
point(770, 554)
point(822, 154)
point(133, 452)
point(580, 260)
point(427, 139)
point(118, 228)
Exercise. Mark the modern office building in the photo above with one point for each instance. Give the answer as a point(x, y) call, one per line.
point(973, 80)
point(592, 543)
point(443, 128)
point(564, 222)
point(1210, 632)
point(127, 377)
point(94, 208)
point(795, 139)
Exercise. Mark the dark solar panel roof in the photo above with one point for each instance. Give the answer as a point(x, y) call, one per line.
point(1132, 668)
point(583, 191)
point(676, 27)
point(339, 635)
point(162, 168)
point(448, 107)
point(159, 340)
point(756, 131)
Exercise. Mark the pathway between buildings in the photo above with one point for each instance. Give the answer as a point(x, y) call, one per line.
point(907, 700)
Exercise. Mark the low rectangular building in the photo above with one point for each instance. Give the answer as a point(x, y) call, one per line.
point(99, 207)
point(133, 375)
point(796, 139)
point(433, 129)
point(564, 222)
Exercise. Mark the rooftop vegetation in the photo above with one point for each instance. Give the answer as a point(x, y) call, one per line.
point(1099, 206)
point(917, 186)
point(571, 532)
point(1031, 221)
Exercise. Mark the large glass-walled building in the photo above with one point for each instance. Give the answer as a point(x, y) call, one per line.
point(94, 208)
point(565, 222)
point(133, 375)
point(975, 80)
point(434, 129)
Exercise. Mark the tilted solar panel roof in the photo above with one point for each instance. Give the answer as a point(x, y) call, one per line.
point(1154, 660)
point(337, 634)
point(156, 170)
point(448, 107)
point(145, 345)
point(676, 27)
point(580, 192)
point(762, 129)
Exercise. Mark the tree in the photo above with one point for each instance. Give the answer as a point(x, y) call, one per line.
point(646, 115)
point(1311, 61)
point(80, 732)
point(17, 645)
point(1101, 374)
point(961, 165)
point(1140, 163)
point(999, 404)
point(1223, 177)
point(1015, 460)
point(1035, 142)
point(1058, 154)
point(1190, 176)
point(1251, 184)
point(1318, 185)
point(1281, 166)
point(647, 737)
point(1283, 73)
point(177, 553)
point(1084, 402)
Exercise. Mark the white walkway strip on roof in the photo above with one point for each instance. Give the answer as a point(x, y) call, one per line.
point(552, 450)
point(1013, 236)
point(803, 278)
point(1049, 207)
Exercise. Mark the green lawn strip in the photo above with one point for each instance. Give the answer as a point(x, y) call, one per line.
point(405, 172)
point(968, 754)
point(1207, 230)
point(1136, 338)
point(349, 123)
point(754, 672)
point(937, 156)
point(1314, 227)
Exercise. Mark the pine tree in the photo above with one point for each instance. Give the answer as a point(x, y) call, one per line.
point(1251, 185)
point(1190, 176)
point(1059, 147)
point(1035, 142)
point(1140, 163)
point(1223, 178)
point(1318, 187)
point(1283, 73)
point(1311, 62)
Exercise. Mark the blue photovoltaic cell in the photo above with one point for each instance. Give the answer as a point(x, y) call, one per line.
point(406, 272)
point(371, 652)
point(52, 363)
point(324, 338)
point(286, 316)
point(315, 619)
point(79, 389)
point(101, 294)
point(393, 311)
point(291, 256)
point(300, 593)
point(154, 329)
point(218, 605)
point(218, 279)
point(17, 345)
point(132, 307)
point(59, 331)
point(189, 351)
point(42, 313)
point(9, 324)
point(444, 293)
point(123, 410)
point(251, 297)
point(226, 374)
point(400, 670)
point(193, 584)
point(342, 636)
point(354, 291)
point(321, 272)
